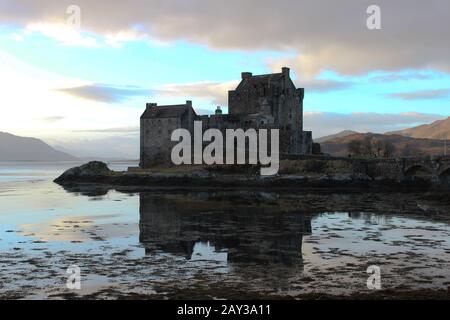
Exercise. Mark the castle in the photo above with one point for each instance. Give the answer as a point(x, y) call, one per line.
point(269, 101)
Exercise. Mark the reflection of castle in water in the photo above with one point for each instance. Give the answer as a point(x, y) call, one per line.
point(250, 233)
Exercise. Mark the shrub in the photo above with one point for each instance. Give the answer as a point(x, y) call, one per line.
point(315, 166)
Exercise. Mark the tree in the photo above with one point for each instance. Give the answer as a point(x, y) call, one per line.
point(389, 149)
point(367, 146)
point(379, 146)
point(355, 147)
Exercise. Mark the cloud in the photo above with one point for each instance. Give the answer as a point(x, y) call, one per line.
point(104, 93)
point(52, 119)
point(215, 92)
point(326, 123)
point(319, 85)
point(323, 34)
point(403, 76)
point(118, 39)
point(64, 34)
point(35, 107)
point(70, 36)
point(130, 130)
point(17, 37)
point(421, 95)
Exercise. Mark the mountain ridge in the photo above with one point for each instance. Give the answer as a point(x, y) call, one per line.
point(404, 146)
point(439, 130)
point(340, 134)
point(17, 148)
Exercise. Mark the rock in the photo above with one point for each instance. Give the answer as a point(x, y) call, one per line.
point(101, 178)
point(88, 170)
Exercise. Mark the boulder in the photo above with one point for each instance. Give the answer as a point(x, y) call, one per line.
point(89, 170)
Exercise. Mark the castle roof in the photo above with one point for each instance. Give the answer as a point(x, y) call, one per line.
point(172, 111)
point(260, 80)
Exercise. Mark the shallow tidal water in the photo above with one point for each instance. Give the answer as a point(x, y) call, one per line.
point(164, 244)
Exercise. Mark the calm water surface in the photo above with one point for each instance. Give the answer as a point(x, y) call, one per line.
point(219, 244)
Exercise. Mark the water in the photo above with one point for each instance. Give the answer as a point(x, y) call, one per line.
point(163, 244)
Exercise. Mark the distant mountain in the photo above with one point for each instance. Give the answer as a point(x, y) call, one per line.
point(404, 146)
point(334, 136)
point(437, 130)
point(112, 148)
point(15, 148)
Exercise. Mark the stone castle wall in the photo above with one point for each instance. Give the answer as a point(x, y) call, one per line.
point(259, 102)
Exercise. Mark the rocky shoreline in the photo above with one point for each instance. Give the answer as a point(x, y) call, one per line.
point(98, 173)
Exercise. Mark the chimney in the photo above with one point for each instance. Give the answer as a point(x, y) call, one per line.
point(189, 103)
point(151, 105)
point(246, 75)
point(285, 71)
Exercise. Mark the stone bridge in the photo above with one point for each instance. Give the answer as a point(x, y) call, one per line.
point(437, 169)
point(426, 170)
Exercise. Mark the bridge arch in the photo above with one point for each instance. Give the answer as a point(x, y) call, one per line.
point(418, 172)
point(444, 175)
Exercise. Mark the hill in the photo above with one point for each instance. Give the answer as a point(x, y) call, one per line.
point(15, 148)
point(334, 136)
point(403, 146)
point(437, 130)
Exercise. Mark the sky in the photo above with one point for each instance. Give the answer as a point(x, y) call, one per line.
point(78, 73)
